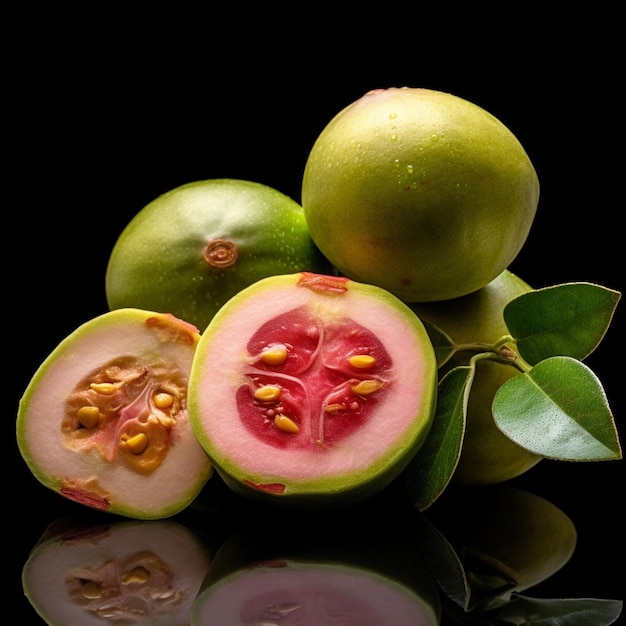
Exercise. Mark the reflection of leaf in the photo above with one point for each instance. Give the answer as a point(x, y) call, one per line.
point(558, 410)
point(443, 345)
point(442, 560)
point(570, 612)
point(491, 581)
point(565, 320)
point(456, 615)
point(430, 471)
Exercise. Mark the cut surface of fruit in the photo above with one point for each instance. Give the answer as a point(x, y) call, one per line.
point(195, 246)
point(104, 419)
point(420, 192)
point(312, 385)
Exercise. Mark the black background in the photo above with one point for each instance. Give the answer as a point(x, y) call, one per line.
point(103, 114)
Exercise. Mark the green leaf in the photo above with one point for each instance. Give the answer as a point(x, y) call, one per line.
point(443, 345)
point(558, 410)
point(563, 320)
point(429, 472)
point(561, 612)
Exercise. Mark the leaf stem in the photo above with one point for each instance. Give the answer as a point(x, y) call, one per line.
point(499, 352)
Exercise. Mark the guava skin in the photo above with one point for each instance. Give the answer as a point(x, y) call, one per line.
point(420, 192)
point(488, 456)
point(104, 422)
point(312, 390)
point(195, 246)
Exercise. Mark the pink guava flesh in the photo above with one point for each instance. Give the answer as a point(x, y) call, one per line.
point(319, 390)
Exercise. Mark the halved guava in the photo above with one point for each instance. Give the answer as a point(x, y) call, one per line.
point(299, 570)
point(309, 388)
point(125, 572)
point(104, 419)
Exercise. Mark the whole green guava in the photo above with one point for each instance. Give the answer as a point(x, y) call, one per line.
point(194, 247)
point(488, 455)
point(420, 192)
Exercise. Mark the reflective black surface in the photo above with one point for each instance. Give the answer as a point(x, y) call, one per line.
point(378, 552)
point(110, 125)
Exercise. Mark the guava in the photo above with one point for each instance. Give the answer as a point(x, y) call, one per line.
point(103, 421)
point(312, 389)
point(508, 539)
point(488, 456)
point(195, 246)
point(302, 570)
point(420, 192)
point(120, 572)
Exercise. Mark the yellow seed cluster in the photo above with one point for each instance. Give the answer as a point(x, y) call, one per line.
point(136, 575)
point(104, 388)
point(163, 400)
point(366, 387)
point(91, 590)
point(137, 443)
point(267, 393)
point(88, 416)
point(362, 361)
point(286, 424)
point(274, 355)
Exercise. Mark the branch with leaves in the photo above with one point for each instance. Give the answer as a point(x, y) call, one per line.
point(557, 408)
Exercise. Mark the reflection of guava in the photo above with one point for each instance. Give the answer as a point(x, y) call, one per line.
point(420, 192)
point(488, 456)
point(296, 570)
point(323, 594)
point(508, 539)
point(124, 573)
